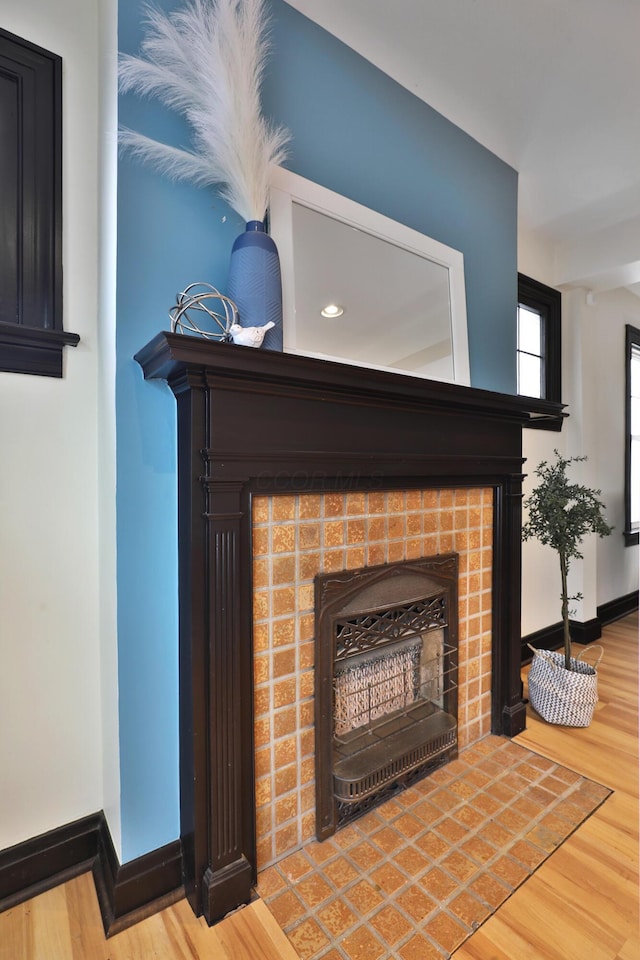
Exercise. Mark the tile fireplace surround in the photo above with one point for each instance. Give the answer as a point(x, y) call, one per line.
point(295, 537)
point(253, 426)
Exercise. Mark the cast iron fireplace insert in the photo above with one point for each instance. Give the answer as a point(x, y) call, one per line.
point(386, 682)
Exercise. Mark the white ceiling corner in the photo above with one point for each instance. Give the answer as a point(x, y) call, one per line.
point(552, 87)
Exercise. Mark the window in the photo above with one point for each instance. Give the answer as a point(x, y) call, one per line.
point(31, 334)
point(539, 345)
point(632, 432)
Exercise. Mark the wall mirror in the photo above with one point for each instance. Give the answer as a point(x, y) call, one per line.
point(360, 288)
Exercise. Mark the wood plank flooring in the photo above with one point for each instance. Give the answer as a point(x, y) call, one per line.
point(582, 903)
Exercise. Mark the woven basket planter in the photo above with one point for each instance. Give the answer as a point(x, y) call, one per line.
point(565, 697)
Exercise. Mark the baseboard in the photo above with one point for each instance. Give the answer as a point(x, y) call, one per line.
point(126, 894)
point(137, 889)
point(552, 638)
point(615, 609)
point(585, 632)
point(28, 869)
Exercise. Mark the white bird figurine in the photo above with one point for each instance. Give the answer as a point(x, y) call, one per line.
point(249, 336)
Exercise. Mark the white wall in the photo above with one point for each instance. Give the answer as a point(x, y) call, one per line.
point(50, 696)
point(593, 389)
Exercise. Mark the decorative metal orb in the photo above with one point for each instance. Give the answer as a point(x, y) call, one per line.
point(198, 312)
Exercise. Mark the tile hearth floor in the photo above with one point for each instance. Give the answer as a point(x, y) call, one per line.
point(415, 877)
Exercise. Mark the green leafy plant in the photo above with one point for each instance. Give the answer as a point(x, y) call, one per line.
point(560, 515)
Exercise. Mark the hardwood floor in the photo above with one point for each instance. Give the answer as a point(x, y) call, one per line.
point(581, 903)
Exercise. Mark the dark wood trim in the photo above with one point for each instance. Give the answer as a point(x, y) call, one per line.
point(33, 350)
point(31, 210)
point(632, 342)
point(585, 632)
point(125, 893)
point(548, 302)
point(29, 868)
point(259, 422)
point(552, 638)
point(615, 609)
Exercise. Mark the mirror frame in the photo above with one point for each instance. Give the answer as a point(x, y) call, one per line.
point(288, 188)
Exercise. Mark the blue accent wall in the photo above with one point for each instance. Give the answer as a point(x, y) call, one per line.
point(360, 134)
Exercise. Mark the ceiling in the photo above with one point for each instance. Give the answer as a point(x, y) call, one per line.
point(552, 87)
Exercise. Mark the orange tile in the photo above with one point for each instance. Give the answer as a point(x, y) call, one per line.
point(284, 752)
point(309, 536)
point(283, 570)
point(337, 917)
point(364, 897)
point(283, 632)
point(313, 890)
point(460, 866)
point(260, 637)
point(333, 533)
point(389, 840)
point(286, 808)
point(293, 867)
point(304, 598)
point(308, 565)
point(396, 501)
point(356, 531)
point(469, 909)
point(286, 839)
point(309, 505)
point(490, 891)
point(286, 908)
point(260, 509)
point(261, 604)
point(333, 505)
point(479, 850)
point(284, 601)
point(262, 732)
point(365, 856)
point(396, 551)
point(390, 924)
point(415, 902)
point(307, 938)
point(377, 528)
point(333, 561)
point(340, 872)
point(270, 882)
point(376, 554)
point(306, 656)
point(356, 503)
point(396, 527)
point(388, 878)
point(528, 854)
point(414, 500)
point(419, 948)
point(320, 852)
point(433, 845)
point(376, 503)
point(260, 541)
point(306, 626)
point(283, 508)
point(284, 662)
point(260, 573)
point(284, 692)
point(438, 884)
point(446, 931)
point(412, 861)
point(362, 944)
point(356, 558)
point(283, 538)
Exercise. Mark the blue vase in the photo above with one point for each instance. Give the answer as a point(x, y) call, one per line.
point(254, 282)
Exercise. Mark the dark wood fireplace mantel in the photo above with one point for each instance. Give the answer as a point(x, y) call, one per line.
point(255, 421)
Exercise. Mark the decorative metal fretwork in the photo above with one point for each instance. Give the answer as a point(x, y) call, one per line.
point(370, 629)
point(381, 685)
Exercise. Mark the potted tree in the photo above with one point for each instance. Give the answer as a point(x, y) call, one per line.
point(562, 688)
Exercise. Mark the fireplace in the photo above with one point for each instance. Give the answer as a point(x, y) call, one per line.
point(386, 681)
point(256, 426)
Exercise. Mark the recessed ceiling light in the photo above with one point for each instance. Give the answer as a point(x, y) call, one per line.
point(331, 311)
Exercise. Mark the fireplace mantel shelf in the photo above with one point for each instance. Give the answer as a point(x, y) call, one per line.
point(257, 422)
point(169, 356)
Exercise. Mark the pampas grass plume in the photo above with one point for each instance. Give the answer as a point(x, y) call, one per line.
point(206, 61)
